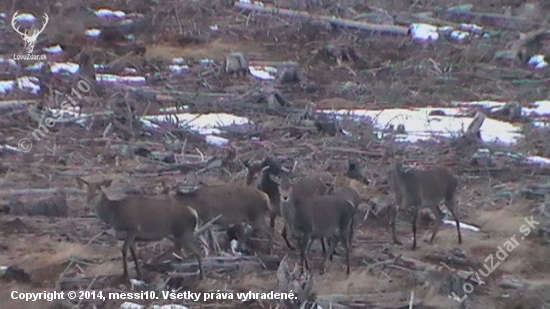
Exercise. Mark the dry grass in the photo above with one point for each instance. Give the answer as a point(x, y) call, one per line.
point(215, 50)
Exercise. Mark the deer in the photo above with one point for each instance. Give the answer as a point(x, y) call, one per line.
point(143, 218)
point(260, 176)
point(344, 186)
point(30, 39)
point(235, 203)
point(316, 216)
point(418, 188)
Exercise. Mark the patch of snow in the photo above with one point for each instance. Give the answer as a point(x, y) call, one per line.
point(471, 28)
point(537, 159)
point(423, 32)
point(459, 35)
point(60, 67)
point(109, 13)
point(55, 49)
point(538, 62)
point(264, 73)
point(122, 79)
point(25, 17)
point(462, 225)
point(28, 82)
point(206, 124)
point(216, 140)
point(130, 70)
point(206, 61)
point(6, 86)
point(420, 125)
point(178, 68)
point(93, 33)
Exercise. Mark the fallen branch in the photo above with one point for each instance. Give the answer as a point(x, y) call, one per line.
point(10, 104)
point(39, 191)
point(463, 14)
point(515, 51)
point(203, 228)
point(290, 280)
point(475, 125)
point(332, 20)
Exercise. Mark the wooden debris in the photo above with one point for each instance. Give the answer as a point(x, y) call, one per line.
point(511, 111)
point(236, 63)
point(464, 14)
point(390, 29)
point(38, 191)
point(341, 53)
point(518, 50)
point(274, 98)
point(13, 273)
point(50, 206)
point(292, 280)
point(289, 73)
point(475, 125)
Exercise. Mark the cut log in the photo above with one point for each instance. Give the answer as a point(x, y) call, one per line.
point(391, 29)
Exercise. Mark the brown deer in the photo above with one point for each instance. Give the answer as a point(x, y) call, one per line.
point(235, 203)
point(420, 188)
point(260, 176)
point(144, 218)
point(316, 216)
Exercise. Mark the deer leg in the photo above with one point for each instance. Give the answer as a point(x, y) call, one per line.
point(128, 240)
point(272, 217)
point(322, 241)
point(332, 246)
point(451, 205)
point(434, 207)
point(188, 240)
point(304, 242)
point(393, 219)
point(284, 233)
point(346, 240)
point(134, 257)
point(415, 219)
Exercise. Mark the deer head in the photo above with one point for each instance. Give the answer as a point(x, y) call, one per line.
point(30, 40)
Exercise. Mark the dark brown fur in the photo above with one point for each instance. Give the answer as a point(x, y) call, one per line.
point(423, 188)
point(143, 218)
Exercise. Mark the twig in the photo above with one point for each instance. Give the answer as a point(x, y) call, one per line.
point(87, 289)
point(206, 226)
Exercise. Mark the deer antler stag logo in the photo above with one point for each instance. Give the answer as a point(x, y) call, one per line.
point(30, 40)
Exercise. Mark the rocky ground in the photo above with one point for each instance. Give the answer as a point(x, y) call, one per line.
point(343, 55)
